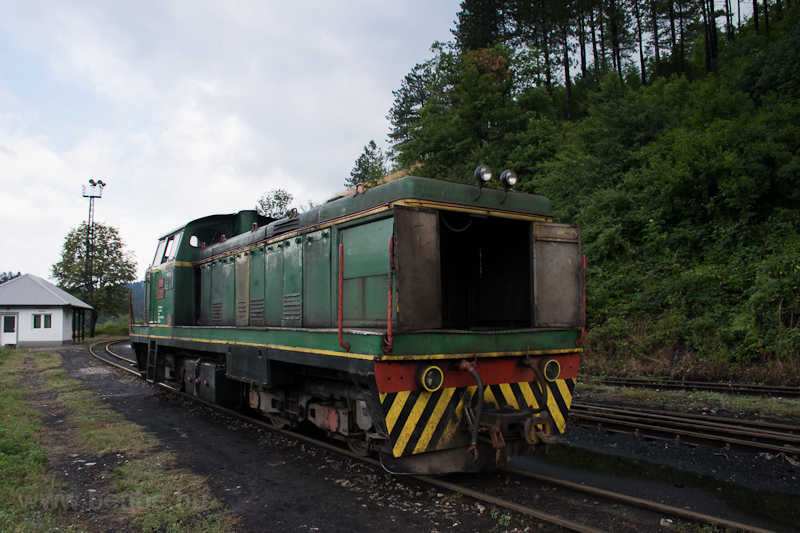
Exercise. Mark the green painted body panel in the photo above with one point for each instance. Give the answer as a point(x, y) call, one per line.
point(292, 283)
point(366, 269)
point(366, 301)
point(326, 341)
point(273, 296)
point(205, 295)
point(222, 289)
point(162, 295)
point(366, 248)
point(257, 286)
point(317, 305)
point(242, 281)
point(183, 295)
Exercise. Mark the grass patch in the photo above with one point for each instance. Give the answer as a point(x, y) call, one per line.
point(180, 499)
point(23, 462)
point(149, 489)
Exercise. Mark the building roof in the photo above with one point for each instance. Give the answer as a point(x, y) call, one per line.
point(29, 290)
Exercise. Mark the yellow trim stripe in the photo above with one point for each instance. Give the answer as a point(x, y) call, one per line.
point(168, 264)
point(366, 357)
point(473, 210)
point(394, 412)
point(416, 413)
point(509, 395)
point(527, 392)
point(381, 358)
point(565, 393)
point(437, 414)
point(558, 417)
point(455, 422)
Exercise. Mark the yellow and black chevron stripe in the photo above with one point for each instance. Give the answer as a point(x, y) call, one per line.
point(419, 421)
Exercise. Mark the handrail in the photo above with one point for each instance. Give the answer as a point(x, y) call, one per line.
point(389, 339)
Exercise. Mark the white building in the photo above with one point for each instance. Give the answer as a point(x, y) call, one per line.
point(34, 312)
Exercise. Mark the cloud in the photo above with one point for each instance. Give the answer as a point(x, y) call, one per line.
point(189, 108)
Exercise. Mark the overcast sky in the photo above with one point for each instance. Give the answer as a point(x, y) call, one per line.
point(189, 108)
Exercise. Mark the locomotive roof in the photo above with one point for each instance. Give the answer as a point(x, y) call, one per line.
point(408, 188)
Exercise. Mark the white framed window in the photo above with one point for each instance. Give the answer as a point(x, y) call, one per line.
point(42, 321)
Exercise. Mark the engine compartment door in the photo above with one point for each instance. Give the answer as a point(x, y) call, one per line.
point(557, 275)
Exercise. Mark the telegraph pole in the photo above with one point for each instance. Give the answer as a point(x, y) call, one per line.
point(95, 190)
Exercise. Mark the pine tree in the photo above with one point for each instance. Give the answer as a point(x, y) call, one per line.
point(370, 167)
point(481, 23)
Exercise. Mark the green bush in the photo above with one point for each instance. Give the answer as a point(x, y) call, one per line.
point(114, 328)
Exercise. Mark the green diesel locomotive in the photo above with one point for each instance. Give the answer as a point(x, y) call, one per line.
point(436, 323)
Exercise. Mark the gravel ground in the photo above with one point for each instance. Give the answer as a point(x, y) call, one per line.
point(276, 484)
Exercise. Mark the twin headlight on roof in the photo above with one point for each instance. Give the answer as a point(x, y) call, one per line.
point(483, 174)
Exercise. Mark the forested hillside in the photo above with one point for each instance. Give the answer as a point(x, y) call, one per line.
point(670, 131)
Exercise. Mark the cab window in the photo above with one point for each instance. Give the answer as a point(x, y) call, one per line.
point(208, 235)
point(167, 248)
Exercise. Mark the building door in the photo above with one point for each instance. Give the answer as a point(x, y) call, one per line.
point(8, 333)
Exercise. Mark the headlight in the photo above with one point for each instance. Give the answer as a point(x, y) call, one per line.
point(430, 378)
point(508, 178)
point(483, 174)
point(550, 369)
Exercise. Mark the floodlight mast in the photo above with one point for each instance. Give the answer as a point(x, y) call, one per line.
point(95, 190)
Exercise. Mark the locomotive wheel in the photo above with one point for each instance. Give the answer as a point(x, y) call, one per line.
point(359, 447)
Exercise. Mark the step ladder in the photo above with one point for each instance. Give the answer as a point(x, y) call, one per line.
point(152, 354)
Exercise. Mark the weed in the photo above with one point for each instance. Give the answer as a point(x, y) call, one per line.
point(503, 517)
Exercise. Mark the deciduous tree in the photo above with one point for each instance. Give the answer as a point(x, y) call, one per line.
point(112, 268)
point(7, 276)
point(274, 204)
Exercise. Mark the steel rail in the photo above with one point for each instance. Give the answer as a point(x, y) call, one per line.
point(486, 498)
point(765, 427)
point(638, 502)
point(736, 388)
point(112, 363)
point(654, 424)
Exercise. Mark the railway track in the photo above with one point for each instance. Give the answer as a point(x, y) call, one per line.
point(691, 429)
point(110, 357)
point(731, 388)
